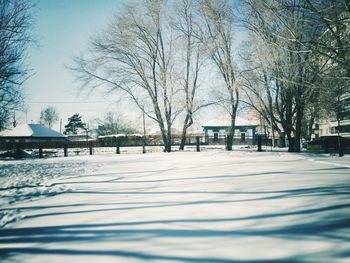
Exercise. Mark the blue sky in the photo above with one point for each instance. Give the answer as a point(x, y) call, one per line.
point(63, 29)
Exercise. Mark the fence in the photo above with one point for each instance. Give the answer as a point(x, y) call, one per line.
point(65, 145)
point(222, 140)
point(156, 140)
point(122, 141)
point(330, 144)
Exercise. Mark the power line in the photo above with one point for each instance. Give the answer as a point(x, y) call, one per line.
point(66, 102)
point(73, 110)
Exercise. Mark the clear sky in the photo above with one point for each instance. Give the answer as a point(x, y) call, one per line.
point(63, 29)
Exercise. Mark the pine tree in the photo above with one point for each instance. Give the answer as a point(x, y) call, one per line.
point(74, 124)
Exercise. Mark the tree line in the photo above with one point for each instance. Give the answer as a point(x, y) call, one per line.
point(301, 50)
point(294, 66)
point(110, 123)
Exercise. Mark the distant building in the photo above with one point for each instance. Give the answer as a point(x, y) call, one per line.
point(330, 127)
point(344, 117)
point(217, 130)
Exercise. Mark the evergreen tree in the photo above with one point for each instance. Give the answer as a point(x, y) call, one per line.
point(74, 124)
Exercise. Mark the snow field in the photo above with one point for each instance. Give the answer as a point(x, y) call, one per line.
point(212, 206)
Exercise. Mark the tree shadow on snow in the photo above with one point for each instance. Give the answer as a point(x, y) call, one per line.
point(320, 222)
point(327, 223)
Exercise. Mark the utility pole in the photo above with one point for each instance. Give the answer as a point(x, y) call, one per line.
point(61, 125)
point(14, 119)
point(144, 131)
point(340, 150)
point(272, 133)
point(87, 132)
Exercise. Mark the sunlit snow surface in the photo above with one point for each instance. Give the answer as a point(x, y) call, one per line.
point(213, 206)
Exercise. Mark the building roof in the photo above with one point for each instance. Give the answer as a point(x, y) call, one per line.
point(31, 130)
point(227, 123)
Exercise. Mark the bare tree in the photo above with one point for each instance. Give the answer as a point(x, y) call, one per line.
point(258, 91)
point(4, 118)
point(283, 27)
point(134, 57)
point(218, 17)
point(48, 116)
point(187, 25)
point(113, 123)
point(333, 18)
point(15, 21)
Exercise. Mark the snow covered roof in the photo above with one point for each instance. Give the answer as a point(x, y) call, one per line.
point(135, 135)
point(120, 135)
point(31, 130)
point(226, 122)
point(195, 132)
point(113, 135)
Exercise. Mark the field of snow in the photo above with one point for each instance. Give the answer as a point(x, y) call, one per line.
point(212, 206)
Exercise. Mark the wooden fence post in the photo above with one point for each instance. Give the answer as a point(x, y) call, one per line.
point(229, 142)
point(118, 146)
point(18, 152)
point(90, 146)
point(144, 144)
point(259, 142)
point(198, 144)
point(65, 149)
point(40, 152)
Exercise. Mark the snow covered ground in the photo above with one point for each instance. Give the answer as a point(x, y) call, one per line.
point(212, 206)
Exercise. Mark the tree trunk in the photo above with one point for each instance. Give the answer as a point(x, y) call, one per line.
point(183, 139)
point(187, 123)
point(272, 135)
point(299, 117)
point(340, 148)
point(167, 145)
point(282, 138)
point(231, 134)
point(291, 142)
point(168, 137)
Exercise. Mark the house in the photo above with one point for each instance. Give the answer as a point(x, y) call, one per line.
point(245, 131)
point(29, 136)
point(31, 133)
